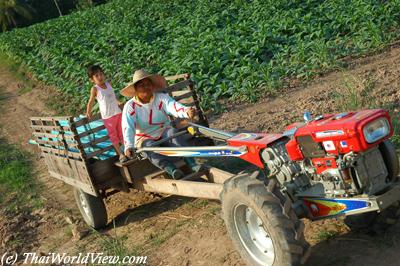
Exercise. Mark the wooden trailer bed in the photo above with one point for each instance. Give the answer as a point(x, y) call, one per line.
point(76, 153)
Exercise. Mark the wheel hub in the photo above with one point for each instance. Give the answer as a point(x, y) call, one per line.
point(85, 207)
point(253, 235)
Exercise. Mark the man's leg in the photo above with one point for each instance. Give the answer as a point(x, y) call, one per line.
point(181, 141)
point(161, 161)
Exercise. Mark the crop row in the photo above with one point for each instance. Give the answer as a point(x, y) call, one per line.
point(237, 49)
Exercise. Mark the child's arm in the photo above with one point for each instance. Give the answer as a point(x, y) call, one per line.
point(128, 128)
point(90, 103)
point(175, 108)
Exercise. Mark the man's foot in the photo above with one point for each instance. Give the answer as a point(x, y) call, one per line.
point(198, 168)
point(174, 172)
point(193, 165)
point(123, 158)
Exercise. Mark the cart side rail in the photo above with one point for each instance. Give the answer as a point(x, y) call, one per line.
point(78, 151)
point(62, 153)
point(184, 92)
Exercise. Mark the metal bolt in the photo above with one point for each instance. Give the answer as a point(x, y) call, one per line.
point(265, 251)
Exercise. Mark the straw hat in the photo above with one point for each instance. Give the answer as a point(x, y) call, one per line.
point(158, 81)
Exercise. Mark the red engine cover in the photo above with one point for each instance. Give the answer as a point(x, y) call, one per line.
point(338, 134)
point(254, 143)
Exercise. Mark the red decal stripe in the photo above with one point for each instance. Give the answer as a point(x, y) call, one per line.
point(178, 110)
point(151, 119)
point(133, 111)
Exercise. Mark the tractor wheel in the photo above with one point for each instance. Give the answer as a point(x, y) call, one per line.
point(391, 159)
point(92, 209)
point(261, 222)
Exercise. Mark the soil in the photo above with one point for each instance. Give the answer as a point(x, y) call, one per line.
point(180, 231)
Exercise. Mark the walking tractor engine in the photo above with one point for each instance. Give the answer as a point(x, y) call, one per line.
point(331, 165)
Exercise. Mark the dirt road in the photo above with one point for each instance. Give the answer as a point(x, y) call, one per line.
point(178, 231)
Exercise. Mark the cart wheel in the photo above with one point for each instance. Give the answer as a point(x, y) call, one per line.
point(92, 209)
point(261, 224)
point(391, 159)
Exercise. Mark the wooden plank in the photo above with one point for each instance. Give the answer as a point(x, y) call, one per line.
point(50, 128)
point(177, 86)
point(95, 153)
point(91, 131)
point(70, 168)
point(84, 121)
point(76, 183)
point(179, 187)
point(57, 143)
point(155, 174)
point(58, 150)
point(67, 167)
point(78, 140)
point(200, 113)
point(191, 104)
point(175, 77)
point(197, 175)
point(131, 161)
point(49, 162)
point(80, 122)
point(60, 153)
point(95, 141)
point(183, 96)
point(218, 176)
point(53, 136)
point(53, 118)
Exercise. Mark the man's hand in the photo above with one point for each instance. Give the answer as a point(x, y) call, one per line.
point(130, 153)
point(88, 115)
point(191, 113)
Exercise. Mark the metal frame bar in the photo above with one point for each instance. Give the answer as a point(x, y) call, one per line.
point(193, 151)
point(212, 133)
point(186, 187)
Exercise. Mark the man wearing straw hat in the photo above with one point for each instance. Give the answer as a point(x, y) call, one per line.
point(145, 120)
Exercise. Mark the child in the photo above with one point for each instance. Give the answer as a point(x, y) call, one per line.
point(108, 105)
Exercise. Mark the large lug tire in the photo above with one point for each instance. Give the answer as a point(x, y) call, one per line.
point(391, 159)
point(261, 223)
point(92, 208)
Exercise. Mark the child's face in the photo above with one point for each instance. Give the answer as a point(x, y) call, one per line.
point(98, 78)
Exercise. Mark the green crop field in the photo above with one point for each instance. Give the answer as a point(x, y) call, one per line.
point(238, 49)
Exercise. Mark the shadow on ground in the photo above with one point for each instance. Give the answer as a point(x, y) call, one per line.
point(149, 210)
point(356, 248)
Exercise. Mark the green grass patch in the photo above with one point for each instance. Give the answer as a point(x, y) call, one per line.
point(324, 235)
point(24, 89)
point(237, 49)
point(19, 70)
point(113, 245)
point(18, 188)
